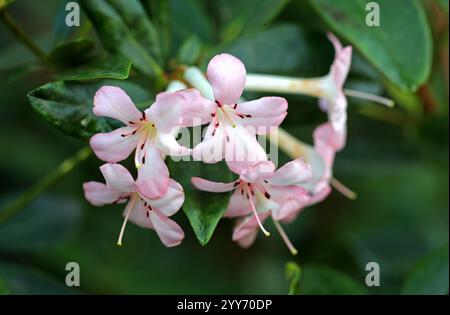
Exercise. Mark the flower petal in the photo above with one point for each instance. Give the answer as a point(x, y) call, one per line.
point(249, 239)
point(342, 60)
point(168, 230)
point(171, 202)
point(114, 146)
point(259, 171)
point(197, 109)
point(167, 111)
point(247, 226)
point(118, 177)
point(265, 113)
point(139, 215)
point(226, 74)
point(290, 199)
point(241, 147)
point(292, 173)
point(98, 194)
point(153, 174)
point(211, 149)
point(111, 101)
point(210, 186)
point(238, 205)
point(167, 143)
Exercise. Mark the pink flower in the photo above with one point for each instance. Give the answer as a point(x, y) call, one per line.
point(333, 99)
point(261, 192)
point(148, 213)
point(233, 126)
point(149, 134)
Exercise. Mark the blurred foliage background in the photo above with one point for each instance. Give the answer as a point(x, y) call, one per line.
point(396, 159)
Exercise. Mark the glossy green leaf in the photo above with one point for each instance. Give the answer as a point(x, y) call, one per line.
point(190, 50)
point(430, 275)
point(124, 28)
point(400, 48)
point(325, 280)
point(68, 105)
point(203, 209)
point(72, 53)
point(293, 274)
point(240, 17)
point(106, 67)
point(46, 222)
point(279, 49)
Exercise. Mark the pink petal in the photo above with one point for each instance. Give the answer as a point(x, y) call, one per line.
point(292, 173)
point(342, 61)
point(111, 101)
point(171, 202)
point(167, 111)
point(238, 205)
point(242, 146)
point(139, 215)
point(211, 149)
point(167, 143)
point(112, 147)
point(290, 199)
point(256, 172)
point(266, 113)
point(319, 195)
point(248, 226)
point(168, 230)
point(337, 116)
point(118, 177)
point(197, 109)
point(98, 194)
point(210, 186)
point(226, 74)
point(153, 174)
point(249, 239)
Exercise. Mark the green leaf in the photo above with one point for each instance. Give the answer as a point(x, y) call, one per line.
point(430, 275)
point(325, 280)
point(124, 28)
point(293, 274)
point(190, 50)
point(3, 287)
point(72, 53)
point(106, 67)
point(203, 209)
point(276, 50)
point(46, 222)
point(443, 4)
point(68, 105)
point(391, 47)
point(239, 17)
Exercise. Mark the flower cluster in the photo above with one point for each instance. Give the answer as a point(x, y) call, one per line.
point(260, 191)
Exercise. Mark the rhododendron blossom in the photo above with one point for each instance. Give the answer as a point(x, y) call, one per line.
point(148, 213)
point(149, 134)
point(231, 134)
point(260, 192)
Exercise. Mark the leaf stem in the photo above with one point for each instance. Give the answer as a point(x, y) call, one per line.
point(46, 182)
point(22, 36)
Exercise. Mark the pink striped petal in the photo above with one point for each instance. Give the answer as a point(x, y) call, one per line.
point(139, 215)
point(248, 226)
point(118, 177)
point(210, 186)
point(226, 74)
point(171, 202)
point(238, 205)
point(292, 173)
point(111, 101)
point(153, 174)
point(168, 230)
point(167, 111)
point(114, 146)
point(197, 109)
point(98, 194)
point(259, 171)
point(265, 113)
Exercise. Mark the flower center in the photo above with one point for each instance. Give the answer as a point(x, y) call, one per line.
point(225, 115)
